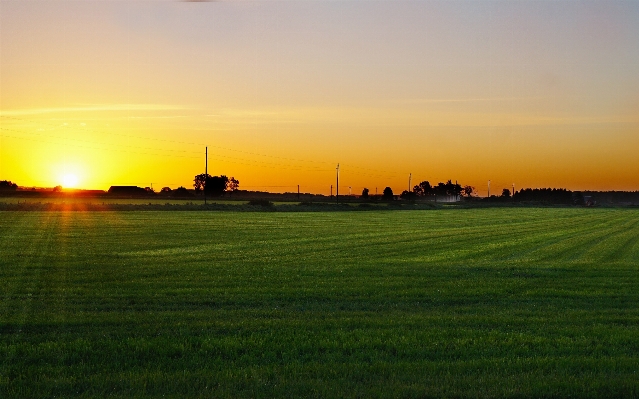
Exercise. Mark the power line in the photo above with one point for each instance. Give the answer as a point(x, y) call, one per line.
point(235, 160)
point(84, 128)
point(88, 147)
point(176, 153)
point(252, 162)
point(129, 136)
point(96, 142)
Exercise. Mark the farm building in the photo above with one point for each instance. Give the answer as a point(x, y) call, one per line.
point(127, 191)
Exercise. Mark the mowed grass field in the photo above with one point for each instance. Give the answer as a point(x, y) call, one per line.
point(444, 303)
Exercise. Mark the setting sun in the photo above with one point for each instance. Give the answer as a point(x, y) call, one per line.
point(69, 181)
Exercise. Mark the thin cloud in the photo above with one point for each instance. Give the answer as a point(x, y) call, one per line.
point(468, 100)
point(91, 108)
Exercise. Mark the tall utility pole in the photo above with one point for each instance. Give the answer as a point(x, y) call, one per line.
point(331, 191)
point(298, 192)
point(206, 170)
point(488, 188)
point(513, 194)
point(337, 186)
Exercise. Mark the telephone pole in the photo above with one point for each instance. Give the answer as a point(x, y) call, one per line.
point(337, 186)
point(206, 170)
point(488, 188)
point(298, 192)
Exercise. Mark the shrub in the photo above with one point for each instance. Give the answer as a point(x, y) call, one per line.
point(260, 202)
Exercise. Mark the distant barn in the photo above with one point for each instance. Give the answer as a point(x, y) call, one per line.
point(127, 191)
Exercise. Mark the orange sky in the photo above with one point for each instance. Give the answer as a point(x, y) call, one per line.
point(539, 94)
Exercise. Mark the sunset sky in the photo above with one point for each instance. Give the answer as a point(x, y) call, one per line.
point(535, 93)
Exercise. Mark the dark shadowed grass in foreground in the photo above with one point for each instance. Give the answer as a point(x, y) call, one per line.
point(463, 303)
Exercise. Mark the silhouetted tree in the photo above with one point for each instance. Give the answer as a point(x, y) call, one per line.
point(453, 188)
point(505, 193)
point(388, 193)
point(439, 189)
point(448, 188)
point(365, 193)
point(6, 185)
point(181, 192)
point(57, 189)
point(165, 190)
point(422, 189)
point(216, 185)
point(232, 184)
point(467, 191)
point(407, 195)
point(200, 181)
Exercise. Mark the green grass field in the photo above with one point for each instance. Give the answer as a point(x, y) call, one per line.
point(444, 303)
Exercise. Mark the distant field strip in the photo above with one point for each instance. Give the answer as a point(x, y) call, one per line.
point(527, 302)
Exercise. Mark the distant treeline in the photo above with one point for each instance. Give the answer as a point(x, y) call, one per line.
point(612, 197)
point(567, 197)
point(422, 192)
point(6, 185)
point(551, 195)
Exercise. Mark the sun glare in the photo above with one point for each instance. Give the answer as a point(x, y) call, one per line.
point(69, 181)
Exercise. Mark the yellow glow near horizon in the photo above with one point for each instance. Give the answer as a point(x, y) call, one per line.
point(298, 146)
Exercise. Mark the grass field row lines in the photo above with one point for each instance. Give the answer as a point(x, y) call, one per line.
point(439, 303)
